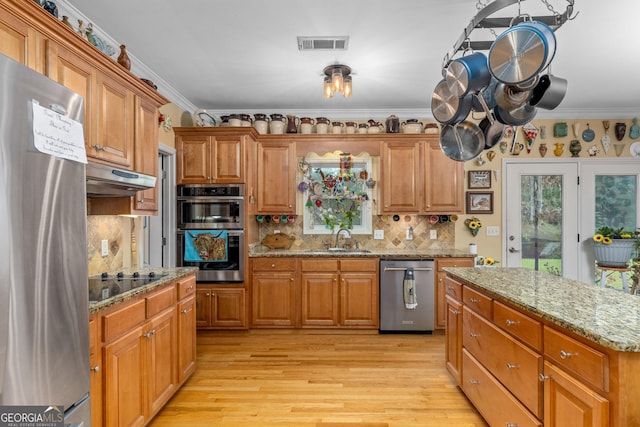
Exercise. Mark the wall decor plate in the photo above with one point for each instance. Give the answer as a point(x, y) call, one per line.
point(634, 149)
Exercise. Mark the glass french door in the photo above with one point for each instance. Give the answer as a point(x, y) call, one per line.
point(610, 197)
point(541, 217)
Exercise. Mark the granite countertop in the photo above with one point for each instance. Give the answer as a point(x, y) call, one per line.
point(101, 298)
point(606, 316)
point(262, 252)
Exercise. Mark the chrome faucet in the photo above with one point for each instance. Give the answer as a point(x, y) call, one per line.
point(338, 235)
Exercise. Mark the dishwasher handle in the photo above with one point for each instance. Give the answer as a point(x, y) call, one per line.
point(405, 269)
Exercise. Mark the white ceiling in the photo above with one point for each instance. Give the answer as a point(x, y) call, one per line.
point(227, 56)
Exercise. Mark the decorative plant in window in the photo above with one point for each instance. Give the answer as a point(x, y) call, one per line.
point(335, 192)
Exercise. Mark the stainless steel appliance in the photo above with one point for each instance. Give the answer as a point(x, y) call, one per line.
point(44, 302)
point(395, 277)
point(107, 181)
point(217, 211)
point(106, 286)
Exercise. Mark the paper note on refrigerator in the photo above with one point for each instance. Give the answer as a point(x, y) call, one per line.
point(58, 135)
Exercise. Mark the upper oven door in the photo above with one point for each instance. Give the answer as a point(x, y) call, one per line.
point(210, 213)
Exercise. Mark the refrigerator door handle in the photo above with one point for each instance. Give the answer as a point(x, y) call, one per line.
point(5, 272)
point(404, 269)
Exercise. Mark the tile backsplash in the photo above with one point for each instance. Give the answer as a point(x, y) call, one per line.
point(394, 234)
point(117, 230)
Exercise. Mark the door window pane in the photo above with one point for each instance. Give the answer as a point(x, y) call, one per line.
point(541, 223)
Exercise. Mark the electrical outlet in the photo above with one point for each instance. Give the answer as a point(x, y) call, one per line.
point(105, 248)
point(433, 234)
point(409, 235)
point(276, 231)
point(493, 230)
point(378, 234)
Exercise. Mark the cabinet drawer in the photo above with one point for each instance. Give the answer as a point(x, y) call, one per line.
point(493, 401)
point(118, 322)
point(186, 287)
point(160, 300)
point(585, 362)
point(359, 265)
point(453, 262)
point(515, 365)
point(453, 288)
point(477, 302)
point(518, 324)
point(274, 264)
point(315, 264)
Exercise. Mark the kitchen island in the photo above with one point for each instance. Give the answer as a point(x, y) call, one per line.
point(529, 348)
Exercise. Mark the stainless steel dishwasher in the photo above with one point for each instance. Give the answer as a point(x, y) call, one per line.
point(407, 295)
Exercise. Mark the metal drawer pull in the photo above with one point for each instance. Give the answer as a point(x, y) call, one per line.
point(510, 366)
point(185, 311)
point(456, 312)
point(512, 322)
point(473, 300)
point(543, 377)
point(512, 425)
point(473, 335)
point(149, 334)
point(474, 382)
point(404, 269)
point(566, 355)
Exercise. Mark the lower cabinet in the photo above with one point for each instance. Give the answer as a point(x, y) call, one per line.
point(314, 293)
point(516, 370)
point(220, 307)
point(147, 351)
point(440, 306)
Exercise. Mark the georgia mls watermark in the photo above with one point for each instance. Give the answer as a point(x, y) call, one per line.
point(32, 416)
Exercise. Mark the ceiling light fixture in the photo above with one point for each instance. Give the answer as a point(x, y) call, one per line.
point(337, 78)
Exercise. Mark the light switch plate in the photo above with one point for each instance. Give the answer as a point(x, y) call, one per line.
point(105, 248)
point(433, 234)
point(378, 234)
point(493, 230)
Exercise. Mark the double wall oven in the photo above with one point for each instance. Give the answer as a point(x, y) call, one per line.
point(211, 231)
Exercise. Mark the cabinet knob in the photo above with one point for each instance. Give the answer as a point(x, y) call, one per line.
point(140, 200)
point(190, 287)
point(290, 206)
point(185, 311)
point(273, 266)
point(95, 368)
point(207, 294)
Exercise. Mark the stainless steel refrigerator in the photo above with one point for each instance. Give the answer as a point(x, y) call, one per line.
point(44, 332)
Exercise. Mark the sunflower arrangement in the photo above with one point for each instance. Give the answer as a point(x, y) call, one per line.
point(473, 225)
point(605, 235)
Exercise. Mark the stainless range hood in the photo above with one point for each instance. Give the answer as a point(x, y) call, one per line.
point(108, 181)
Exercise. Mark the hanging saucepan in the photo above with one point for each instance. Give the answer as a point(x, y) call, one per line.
point(468, 74)
point(510, 97)
point(521, 52)
point(487, 95)
point(492, 129)
point(549, 92)
point(461, 142)
point(448, 108)
point(516, 117)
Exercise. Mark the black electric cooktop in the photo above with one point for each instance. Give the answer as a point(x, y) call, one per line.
point(107, 286)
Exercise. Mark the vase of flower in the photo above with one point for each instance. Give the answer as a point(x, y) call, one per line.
point(613, 247)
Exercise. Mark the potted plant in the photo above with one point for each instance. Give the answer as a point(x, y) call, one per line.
point(613, 247)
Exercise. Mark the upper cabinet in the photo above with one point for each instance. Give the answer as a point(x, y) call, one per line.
point(276, 175)
point(418, 178)
point(211, 155)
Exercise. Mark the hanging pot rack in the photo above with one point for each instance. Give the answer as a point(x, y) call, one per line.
point(483, 19)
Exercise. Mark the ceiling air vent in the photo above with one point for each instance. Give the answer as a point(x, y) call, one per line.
point(323, 43)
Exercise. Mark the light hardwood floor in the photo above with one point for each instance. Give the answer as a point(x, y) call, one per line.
point(316, 379)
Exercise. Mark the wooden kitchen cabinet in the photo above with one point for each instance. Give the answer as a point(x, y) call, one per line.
point(146, 153)
point(206, 155)
point(418, 178)
point(339, 293)
point(186, 327)
point(95, 366)
point(276, 174)
point(273, 293)
point(221, 306)
point(453, 341)
point(441, 275)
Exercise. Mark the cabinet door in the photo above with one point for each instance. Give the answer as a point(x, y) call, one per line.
point(124, 381)
point(443, 182)
point(359, 300)
point(20, 42)
point(194, 159)
point(186, 337)
point(228, 308)
point(441, 291)
point(95, 363)
point(273, 300)
point(203, 307)
point(75, 73)
point(161, 345)
point(453, 342)
point(114, 130)
point(146, 152)
point(319, 294)
point(227, 158)
point(276, 177)
point(401, 177)
point(568, 402)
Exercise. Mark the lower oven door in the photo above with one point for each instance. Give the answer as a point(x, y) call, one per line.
point(229, 270)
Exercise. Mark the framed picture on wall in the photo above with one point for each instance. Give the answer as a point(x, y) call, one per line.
point(479, 202)
point(479, 179)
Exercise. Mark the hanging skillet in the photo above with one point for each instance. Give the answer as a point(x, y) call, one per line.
point(448, 108)
point(521, 52)
point(462, 142)
point(468, 74)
